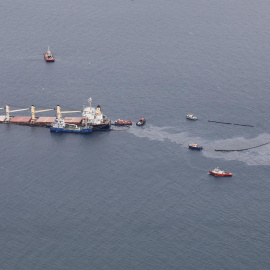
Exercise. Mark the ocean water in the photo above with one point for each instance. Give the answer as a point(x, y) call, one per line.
point(136, 198)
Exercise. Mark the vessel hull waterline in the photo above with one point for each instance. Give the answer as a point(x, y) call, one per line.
point(77, 131)
point(220, 174)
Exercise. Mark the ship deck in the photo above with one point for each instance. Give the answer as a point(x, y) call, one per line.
point(39, 121)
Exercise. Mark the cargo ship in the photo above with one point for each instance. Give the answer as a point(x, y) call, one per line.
point(60, 126)
point(93, 117)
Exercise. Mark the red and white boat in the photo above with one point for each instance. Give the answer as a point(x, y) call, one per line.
point(48, 56)
point(120, 122)
point(219, 172)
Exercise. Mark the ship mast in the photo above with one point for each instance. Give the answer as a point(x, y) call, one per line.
point(90, 101)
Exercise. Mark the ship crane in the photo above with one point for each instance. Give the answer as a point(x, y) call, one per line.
point(59, 112)
point(33, 112)
point(8, 111)
point(2, 117)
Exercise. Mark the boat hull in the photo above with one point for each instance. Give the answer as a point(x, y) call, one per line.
point(48, 59)
point(77, 131)
point(102, 127)
point(123, 123)
point(140, 123)
point(220, 174)
point(195, 147)
point(191, 117)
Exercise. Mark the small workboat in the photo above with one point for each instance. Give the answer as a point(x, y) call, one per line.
point(219, 172)
point(61, 127)
point(120, 122)
point(191, 117)
point(141, 122)
point(195, 146)
point(48, 56)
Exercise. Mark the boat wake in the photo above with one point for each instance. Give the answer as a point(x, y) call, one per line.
point(255, 156)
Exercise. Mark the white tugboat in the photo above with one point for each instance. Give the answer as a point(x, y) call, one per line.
point(61, 127)
point(191, 117)
point(95, 118)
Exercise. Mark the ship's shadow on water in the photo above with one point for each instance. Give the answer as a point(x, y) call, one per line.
point(58, 137)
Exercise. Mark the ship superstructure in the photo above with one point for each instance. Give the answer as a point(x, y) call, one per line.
point(94, 117)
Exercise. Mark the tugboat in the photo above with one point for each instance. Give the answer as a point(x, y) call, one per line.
point(219, 172)
point(92, 117)
point(191, 117)
point(120, 122)
point(141, 122)
point(195, 146)
point(48, 56)
point(61, 127)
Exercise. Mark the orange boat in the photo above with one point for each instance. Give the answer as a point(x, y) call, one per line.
point(48, 56)
point(120, 122)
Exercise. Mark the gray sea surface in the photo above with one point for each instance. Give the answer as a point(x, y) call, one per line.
point(137, 198)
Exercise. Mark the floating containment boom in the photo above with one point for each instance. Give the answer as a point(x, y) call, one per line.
point(225, 123)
